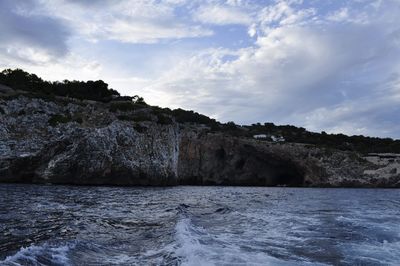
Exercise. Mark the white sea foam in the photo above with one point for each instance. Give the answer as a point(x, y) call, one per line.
point(190, 248)
point(121, 259)
point(31, 255)
point(386, 253)
point(198, 247)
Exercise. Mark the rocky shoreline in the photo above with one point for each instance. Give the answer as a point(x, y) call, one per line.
point(67, 141)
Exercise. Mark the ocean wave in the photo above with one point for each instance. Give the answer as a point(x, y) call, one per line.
point(384, 252)
point(196, 246)
point(197, 226)
point(45, 254)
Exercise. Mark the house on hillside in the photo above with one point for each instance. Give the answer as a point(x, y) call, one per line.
point(260, 136)
point(277, 138)
point(271, 137)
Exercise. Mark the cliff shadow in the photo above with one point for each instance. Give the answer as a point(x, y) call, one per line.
point(238, 164)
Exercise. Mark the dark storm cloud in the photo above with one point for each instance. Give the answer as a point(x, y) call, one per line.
point(21, 29)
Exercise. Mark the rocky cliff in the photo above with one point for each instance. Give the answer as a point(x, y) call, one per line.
point(69, 141)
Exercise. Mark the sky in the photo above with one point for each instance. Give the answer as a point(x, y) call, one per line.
point(326, 65)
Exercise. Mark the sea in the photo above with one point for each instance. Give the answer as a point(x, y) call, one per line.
point(187, 225)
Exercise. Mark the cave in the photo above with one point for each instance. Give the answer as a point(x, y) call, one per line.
point(239, 165)
point(287, 175)
point(274, 171)
point(263, 169)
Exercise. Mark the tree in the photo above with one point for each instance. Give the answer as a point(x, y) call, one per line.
point(91, 90)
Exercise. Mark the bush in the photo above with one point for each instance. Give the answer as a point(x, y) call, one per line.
point(59, 119)
point(123, 106)
point(79, 120)
point(142, 117)
point(125, 117)
point(164, 120)
point(90, 90)
point(183, 116)
point(135, 118)
point(230, 126)
point(140, 129)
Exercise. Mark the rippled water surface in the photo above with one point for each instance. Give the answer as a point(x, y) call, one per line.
point(66, 225)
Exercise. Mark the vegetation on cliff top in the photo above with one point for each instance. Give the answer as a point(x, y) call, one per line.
point(90, 90)
point(20, 80)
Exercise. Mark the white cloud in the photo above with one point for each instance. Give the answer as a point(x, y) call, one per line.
point(145, 32)
point(300, 71)
point(283, 13)
point(43, 42)
point(72, 67)
point(222, 15)
point(137, 21)
point(22, 54)
point(339, 15)
point(333, 69)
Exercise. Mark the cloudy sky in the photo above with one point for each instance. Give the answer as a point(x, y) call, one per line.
point(330, 65)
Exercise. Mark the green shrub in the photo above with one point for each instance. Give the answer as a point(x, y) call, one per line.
point(183, 116)
point(125, 117)
point(59, 119)
point(142, 117)
point(90, 90)
point(139, 128)
point(22, 112)
point(134, 117)
point(40, 95)
point(164, 120)
point(125, 106)
point(78, 120)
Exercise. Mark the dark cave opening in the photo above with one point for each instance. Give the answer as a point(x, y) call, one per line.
point(290, 180)
point(285, 173)
point(261, 167)
point(241, 166)
point(271, 170)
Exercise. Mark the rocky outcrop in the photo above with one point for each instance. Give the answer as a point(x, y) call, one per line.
point(81, 142)
point(99, 150)
point(213, 159)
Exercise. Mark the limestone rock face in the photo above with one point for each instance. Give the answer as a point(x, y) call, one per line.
point(213, 159)
point(209, 159)
point(108, 151)
point(82, 142)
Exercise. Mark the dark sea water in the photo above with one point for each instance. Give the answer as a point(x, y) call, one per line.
point(67, 225)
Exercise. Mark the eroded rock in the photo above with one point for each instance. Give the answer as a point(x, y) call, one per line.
point(82, 142)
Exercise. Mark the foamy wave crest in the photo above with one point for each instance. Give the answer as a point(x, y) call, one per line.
point(384, 253)
point(190, 249)
point(198, 247)
point(40, 255)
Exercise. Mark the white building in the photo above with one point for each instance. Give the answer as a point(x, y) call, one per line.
point(277, 138)
point(260, 136)
point(273, 138)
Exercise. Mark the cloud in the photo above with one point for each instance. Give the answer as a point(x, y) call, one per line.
point(325, 65)
point(147, 32)
point(222, 15)
point(339, 15)
point(283, 13)
point(301, 70)
point(72, 67)
point(137, 21)
point(26, 37)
